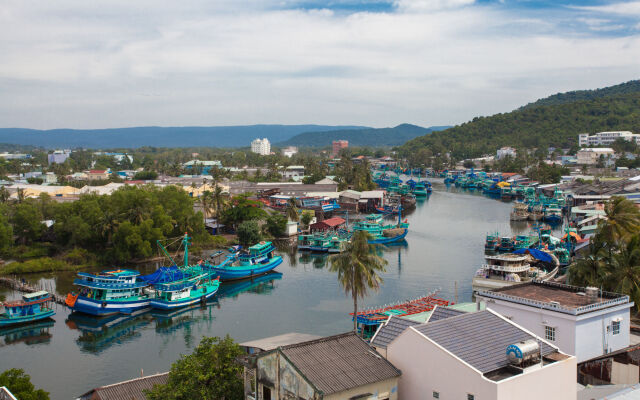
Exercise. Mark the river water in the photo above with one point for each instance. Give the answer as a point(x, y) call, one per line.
point(72, 354)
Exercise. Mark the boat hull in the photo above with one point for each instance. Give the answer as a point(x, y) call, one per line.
point(242, 272)
point(102, 308)
point(26, 319)
point(172, 305)
point(385, 240)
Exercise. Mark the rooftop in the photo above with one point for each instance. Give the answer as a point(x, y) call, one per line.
point(390, 330)
point(130, 390)
point(274, 342)
point(556, 297)
point(443, 313)
point(338, 363)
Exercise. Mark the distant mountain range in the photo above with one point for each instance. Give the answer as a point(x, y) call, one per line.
point(213, 136)
point(554, 121)
point(370, 137)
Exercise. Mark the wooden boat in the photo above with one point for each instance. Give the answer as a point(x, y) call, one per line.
point(382, 234)
point(33, 307)
point(170, 296)
point(492, 241)
point(259, 259)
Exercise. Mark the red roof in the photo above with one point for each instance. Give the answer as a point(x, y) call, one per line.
point(97, 171)
point(333, 222)
point(507, 174)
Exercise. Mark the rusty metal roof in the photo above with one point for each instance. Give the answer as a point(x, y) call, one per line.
point(127, 390)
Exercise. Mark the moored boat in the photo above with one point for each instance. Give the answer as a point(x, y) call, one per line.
point(169, 296)
point(257, 260)
point(506, 270)
point(381, 233)
point(33, 307)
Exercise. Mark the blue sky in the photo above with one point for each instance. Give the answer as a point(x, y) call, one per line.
point(113, 63)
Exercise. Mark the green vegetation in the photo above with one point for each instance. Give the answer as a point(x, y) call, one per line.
point(587, 95)
point(146, 175)
point(242, 209)
point(535, 126)
point(210, 372)
point(613, 261)
point(249, 233)
point(43, 264)
point(545, 173)
point(276, 224)
point(358, 269)
point(19, 384)
point(353, 175)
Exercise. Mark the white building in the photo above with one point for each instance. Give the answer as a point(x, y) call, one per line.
point(606, 138)
point(586, 323)
point(261, 146)
point(591, 155)
point(293, 171)
point(58, 156)
point(289, 151)
point(466, 357)
point(504, 152)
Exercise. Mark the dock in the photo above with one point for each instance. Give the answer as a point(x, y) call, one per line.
point(24, 287)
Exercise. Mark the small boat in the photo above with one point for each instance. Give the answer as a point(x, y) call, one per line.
point(33, 307)
point(492, 242)
point(305, 241)
point(506, 245)
point(259, 259)
point(108, 292)
point(553, 215)
point(170, 296)
point(382, 234)
point(420, 190)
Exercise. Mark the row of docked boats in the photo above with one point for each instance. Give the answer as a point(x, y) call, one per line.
point(540, 207)
point(168, 288)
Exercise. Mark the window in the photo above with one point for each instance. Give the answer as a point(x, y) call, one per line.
point(436, 395)
point(615, 327)
point(470, 397)
point(550, 333)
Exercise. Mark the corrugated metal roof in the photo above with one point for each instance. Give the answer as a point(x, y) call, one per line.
point(129, 390)
point(274, 342)
point(480, 339)
point(390, 330)
point(338, 363)
point(444, 312)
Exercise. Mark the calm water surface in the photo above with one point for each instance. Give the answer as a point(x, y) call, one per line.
point(74, 354)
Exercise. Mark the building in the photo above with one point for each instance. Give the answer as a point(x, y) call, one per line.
point(58, 156)
point(338, 145)
point(119, 157)
point(328, 224)
point(584, 322)
point(15, 156)
point(5, 394)
point(130, 390)
point(591, 156)
point(261, 146)
point(504, 152)
point(293, 172)
point(289, 151)
point(98, 174)
point(606, 138)
point(335, 367)
point(202, 167)
point(467, 357)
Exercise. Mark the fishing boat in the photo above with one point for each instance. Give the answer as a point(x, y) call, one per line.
point(170, 296)
point(304, 241)
point(33, 307)
point(108, 292)
point(381, 233)
point(525, 241)
point(420, 190)
point(257, 260)
point(506, 270)
point(506, 244)
point(553, 215)
point(492, 242)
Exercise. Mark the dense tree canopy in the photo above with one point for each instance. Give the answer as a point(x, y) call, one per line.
point(19, 384)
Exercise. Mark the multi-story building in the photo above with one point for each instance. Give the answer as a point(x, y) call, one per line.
point(289, 151)
point(339, 145)
point(591, 155)
point(505, 152)
point(293, 172)
point(606, 138)
point(584, 322)
point(261, 146)
point(58, 156)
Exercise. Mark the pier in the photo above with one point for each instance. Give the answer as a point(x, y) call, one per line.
point(24, 287)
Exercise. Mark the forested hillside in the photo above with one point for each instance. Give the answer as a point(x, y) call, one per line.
point(584, 95)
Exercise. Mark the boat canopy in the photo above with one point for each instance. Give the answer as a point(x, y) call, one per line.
point(164, 275)
point(537, 254)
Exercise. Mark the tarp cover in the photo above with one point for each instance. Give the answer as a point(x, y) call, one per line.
point(537, 254)
point(164, 275)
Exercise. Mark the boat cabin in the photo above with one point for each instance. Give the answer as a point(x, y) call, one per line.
point(31, 304)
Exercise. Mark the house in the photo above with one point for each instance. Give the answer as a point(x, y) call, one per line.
point(98, 174)
point(328, 224)
point(584, 322)
point(505, 152)
point(293, 171)
point(58, 156)
point(349, 199)
point(591, 156)
point(468, 357)
point(271, 343)
point(370, 199)
point(336, 367)
point(130, 390)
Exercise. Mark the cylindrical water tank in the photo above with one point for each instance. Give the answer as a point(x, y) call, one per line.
point(523, 351)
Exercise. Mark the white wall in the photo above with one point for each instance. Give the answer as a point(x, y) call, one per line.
point(553, 381)
point(379, 390)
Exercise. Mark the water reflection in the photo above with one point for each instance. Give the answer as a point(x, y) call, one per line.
point(34, 333)
point(263, 284)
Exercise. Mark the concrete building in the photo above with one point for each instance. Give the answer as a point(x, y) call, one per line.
point(504, 152)
point(202, 166)
point(339, 145)
point(587, 323)
point(289, 151)
point(606, 138)
point(335, 367)
point(467, 357)
point(98, 174)
point(591, 156)
point(293, 172)
point(261, 146)
point(58, 156)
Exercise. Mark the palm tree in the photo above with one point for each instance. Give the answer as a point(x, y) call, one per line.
point(624, 269)
point(623, 220)
point(206, 201)
point(292, 210)
point(592, 269)
point(358, 269)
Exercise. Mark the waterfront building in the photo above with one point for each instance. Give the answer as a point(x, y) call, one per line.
point(585, 322)
point(504, 152)
point(261, 146)
point(333, 223)
point(336, 367)
point(606, 138)
point(591, 156)
point(338, 145)
point(131, 389)
point(289, 151)
point(480, 355)
point(58, 156)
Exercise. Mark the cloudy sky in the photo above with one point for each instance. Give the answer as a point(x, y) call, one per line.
point(116, 63)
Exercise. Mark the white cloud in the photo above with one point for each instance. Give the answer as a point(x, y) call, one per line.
point(627, 8)
point(117, 63)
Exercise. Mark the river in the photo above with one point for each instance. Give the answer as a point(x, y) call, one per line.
point(69, 356)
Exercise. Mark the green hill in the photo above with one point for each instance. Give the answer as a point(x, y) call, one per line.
point(538, 126)
point(585, 95)
point(371, 137)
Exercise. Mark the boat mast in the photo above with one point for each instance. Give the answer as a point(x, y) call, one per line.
point(185, 242)
point(166, 253)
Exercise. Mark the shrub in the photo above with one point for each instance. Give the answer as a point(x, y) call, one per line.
point(44, 264)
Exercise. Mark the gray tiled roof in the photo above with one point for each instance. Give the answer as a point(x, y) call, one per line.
point(337, 363)
point(389, 331)
point(444, 312)
point(479, 339)
point(128, 390)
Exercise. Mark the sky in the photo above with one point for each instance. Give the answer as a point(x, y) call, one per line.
point(118, 63)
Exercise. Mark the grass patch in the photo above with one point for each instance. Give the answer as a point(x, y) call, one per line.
point(44, 264)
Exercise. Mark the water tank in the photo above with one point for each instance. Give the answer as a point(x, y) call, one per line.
point(521, 352)
point(592, 294)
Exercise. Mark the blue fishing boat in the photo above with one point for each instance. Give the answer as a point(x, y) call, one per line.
point(257, 260)
point(32, 307)
point(174, 295)
point(381, 233)
point(109, 292)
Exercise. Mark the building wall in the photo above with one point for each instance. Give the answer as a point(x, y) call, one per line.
point(387, 389)
point(626, 374)
point(594, 336)
point(553, 381)
point(427, 368)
